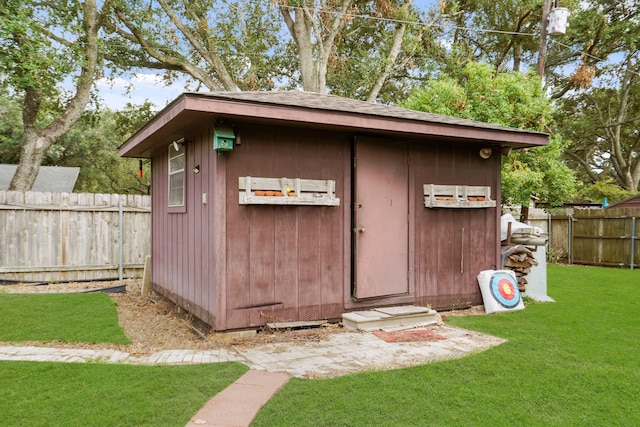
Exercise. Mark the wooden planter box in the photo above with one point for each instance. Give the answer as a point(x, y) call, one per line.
point(287, 191)
point(457, 196)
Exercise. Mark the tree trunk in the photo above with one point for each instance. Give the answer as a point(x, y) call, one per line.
point(300, 29)
point(31, 155)
point(37, 141)
point(392, 57)
point(304, 29)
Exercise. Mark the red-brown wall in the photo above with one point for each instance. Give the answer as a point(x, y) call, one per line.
point(453, 245)
point(183, 262)
point(285, 263)
point(240, 266)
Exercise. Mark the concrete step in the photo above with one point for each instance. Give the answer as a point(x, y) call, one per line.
point(390, 318)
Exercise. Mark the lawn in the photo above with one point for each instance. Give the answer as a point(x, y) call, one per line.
point(572, 362)
point(82, 317)
point(96, 394)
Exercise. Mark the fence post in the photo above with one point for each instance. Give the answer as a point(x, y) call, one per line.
point(569, 240)
point(120, 239)
point(633, 240)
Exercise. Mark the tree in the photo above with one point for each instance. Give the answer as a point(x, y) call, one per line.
point(10, 129)
point(500, 33)
point(385, 50)
point(223, 46)
point(601, 33)
point(603, 189)
point(245, 46)
point(507, 99)
point(602, 124)
point(323, 33)
point(41, 44)
point(92, 144)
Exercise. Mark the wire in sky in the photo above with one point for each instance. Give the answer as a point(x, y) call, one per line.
point(588, 54)
point(403, 21)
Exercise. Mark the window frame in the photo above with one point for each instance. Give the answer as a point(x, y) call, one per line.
point(172, 155)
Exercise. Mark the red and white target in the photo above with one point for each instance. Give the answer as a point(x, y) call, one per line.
point(500, 291)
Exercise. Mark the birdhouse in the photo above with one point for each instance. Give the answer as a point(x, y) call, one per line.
point(558, 21)
point(223, 138)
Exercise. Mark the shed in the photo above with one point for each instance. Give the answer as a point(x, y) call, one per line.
point(629, 202)
point(296, 206)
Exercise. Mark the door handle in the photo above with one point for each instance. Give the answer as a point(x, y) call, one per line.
point(358, 230)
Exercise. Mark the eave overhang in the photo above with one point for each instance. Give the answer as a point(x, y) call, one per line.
point(190, 110)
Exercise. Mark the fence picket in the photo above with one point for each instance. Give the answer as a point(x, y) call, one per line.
point(71, 236)
point(604, 237)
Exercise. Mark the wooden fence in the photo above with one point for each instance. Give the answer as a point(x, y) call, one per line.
point(73, 236)
point(605, 237)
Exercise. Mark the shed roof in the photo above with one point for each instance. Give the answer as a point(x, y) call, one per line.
point(55, 179)
point(316, 110)
point(630, 202)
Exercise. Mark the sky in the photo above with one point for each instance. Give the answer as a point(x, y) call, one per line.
point(138, 89)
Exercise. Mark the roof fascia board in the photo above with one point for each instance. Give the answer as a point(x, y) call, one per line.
point(360, 121)
point(161, 119)
point(229, 108)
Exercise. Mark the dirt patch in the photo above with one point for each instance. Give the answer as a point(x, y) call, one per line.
point(410, 335)
point(155, 324)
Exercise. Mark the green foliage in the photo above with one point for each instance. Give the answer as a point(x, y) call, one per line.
point(86, 317)
point(602, 125)
point(507, 99)
point(605, 188)
point(10, 130)
point(214, 43)
point(601, 32)
point(93, 145)
point(558, 367)
point(40, 394)
point(34, 52)
point(539, 172)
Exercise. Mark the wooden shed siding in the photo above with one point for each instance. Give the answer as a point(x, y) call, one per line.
point(181, 267)
point(284, 262)
point(453, 245)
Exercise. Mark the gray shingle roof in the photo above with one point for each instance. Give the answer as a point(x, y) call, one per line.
point(318, 101)
point(55, 179)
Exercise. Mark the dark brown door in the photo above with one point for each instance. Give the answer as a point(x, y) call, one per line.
point(381, 229)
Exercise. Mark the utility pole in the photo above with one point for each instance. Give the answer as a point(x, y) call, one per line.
point(542, 52)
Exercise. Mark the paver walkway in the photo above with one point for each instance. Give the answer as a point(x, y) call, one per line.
point(239, 403)
point(340, 353)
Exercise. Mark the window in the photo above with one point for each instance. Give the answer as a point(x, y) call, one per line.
point(176, 175)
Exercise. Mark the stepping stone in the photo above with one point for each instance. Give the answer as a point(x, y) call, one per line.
point(390, 318)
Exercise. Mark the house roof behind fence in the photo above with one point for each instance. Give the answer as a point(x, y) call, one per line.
point(54, 179)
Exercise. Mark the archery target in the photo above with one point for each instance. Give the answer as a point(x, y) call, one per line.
point(500, 291)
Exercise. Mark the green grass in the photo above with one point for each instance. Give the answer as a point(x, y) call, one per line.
point(95, 394)
point(572, 362)
point(74, 394)
point(84, 317)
